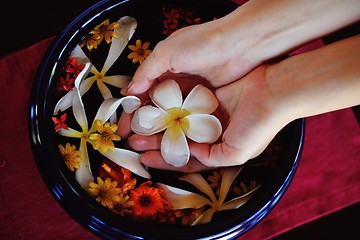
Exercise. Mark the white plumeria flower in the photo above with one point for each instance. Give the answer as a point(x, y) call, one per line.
point(125, 31)
point(122, 157)
point(181, 120)
point(182, 199)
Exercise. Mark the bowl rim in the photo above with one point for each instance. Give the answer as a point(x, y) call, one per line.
point(63, 189)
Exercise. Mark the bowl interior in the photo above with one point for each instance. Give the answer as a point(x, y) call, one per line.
point(272, 171)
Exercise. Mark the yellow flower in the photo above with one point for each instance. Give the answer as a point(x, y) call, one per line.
point(91, 41)
point(189, 215)
point(105, 192)
point(215, 180)
point(124, 206)
point(140, 52)
point(70, 155)
point(104, 139)
point(105, 31)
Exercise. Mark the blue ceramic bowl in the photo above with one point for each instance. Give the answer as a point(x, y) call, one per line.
point(76, 201)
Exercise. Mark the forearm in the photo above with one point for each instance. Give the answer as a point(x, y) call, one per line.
point(319, 81)
point(262, 29)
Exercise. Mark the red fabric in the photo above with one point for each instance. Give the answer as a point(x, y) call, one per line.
point(327, 179)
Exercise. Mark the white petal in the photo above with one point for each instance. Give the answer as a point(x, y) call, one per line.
point(128, 160)
point(118, 81)
point(83, 175)
point(148, 120)
point(86, 84)
point(229, 175)
point(180, 198)
point(109, 106)
point(200, 183)
point(124, 31)
point(237, 202)
point(66, 101)
point(174, 147)
point(104, 90)
point(70, 133)
point(203, 128)
point(166, 95)
point(79, 111)
point(201, 100)
point(80, 56)
point(205, 217)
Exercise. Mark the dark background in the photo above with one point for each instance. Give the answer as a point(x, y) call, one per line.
point(28, 22)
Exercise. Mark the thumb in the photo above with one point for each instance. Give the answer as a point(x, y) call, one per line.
point(152, 68)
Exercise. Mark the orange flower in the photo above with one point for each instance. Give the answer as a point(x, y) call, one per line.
point(148, 200)
point(140, 52)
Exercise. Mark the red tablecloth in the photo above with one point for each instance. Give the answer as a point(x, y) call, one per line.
point(328, 177)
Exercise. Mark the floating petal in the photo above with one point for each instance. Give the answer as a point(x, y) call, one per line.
point(128, 160)
point(66, 101)
point(203, 128)
point(228, 177)
point(69, 133)
point(200, 183)
point(237, 202)
point(181, 199)
point(109, 106)
point(166, 95)
point(83, 174)
point(200, 100)
point(79, 111)
point(205, 217)
point(118, 81)
point(124, 32)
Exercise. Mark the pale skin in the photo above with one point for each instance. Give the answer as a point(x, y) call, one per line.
point(260, 99)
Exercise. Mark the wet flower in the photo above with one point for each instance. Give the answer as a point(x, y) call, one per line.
point(180, 119)
point(70, 155)
point(123, 207)
point(140, 52)
point(120, 174)
point(188, 215)
point(121, 157)
point(105, 192)
point(182, 199)
point(148, 200)
point(91, 41)
point(105, 136)
point(215, 180)
point(86, 80)
point(105, 31)
point(65, 84)
point(71, 66)
point(60, 122)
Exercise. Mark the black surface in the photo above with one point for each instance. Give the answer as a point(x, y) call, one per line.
point(27, 22)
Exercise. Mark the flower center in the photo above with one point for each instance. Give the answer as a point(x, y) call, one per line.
point(177, 117)
point(145, 201)
point(105, 136)
point(140, 52)
point(103, 193)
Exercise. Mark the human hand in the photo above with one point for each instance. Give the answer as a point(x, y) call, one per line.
point(207, 50)
point(246, 110)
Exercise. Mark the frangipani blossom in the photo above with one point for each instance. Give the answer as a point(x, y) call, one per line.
point(122, 157)
point(182, 199)
point(124, 33)
point(180, 119)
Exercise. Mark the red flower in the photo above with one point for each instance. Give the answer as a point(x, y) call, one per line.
point(60, 122)
point(65, 84)
point(119, 174)
point(71, 66)
point(148, 201)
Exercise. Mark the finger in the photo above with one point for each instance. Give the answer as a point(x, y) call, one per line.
point(154, 159)
point(154, 66)
point(217, 155)
point(124, 123)
point(145, 143)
